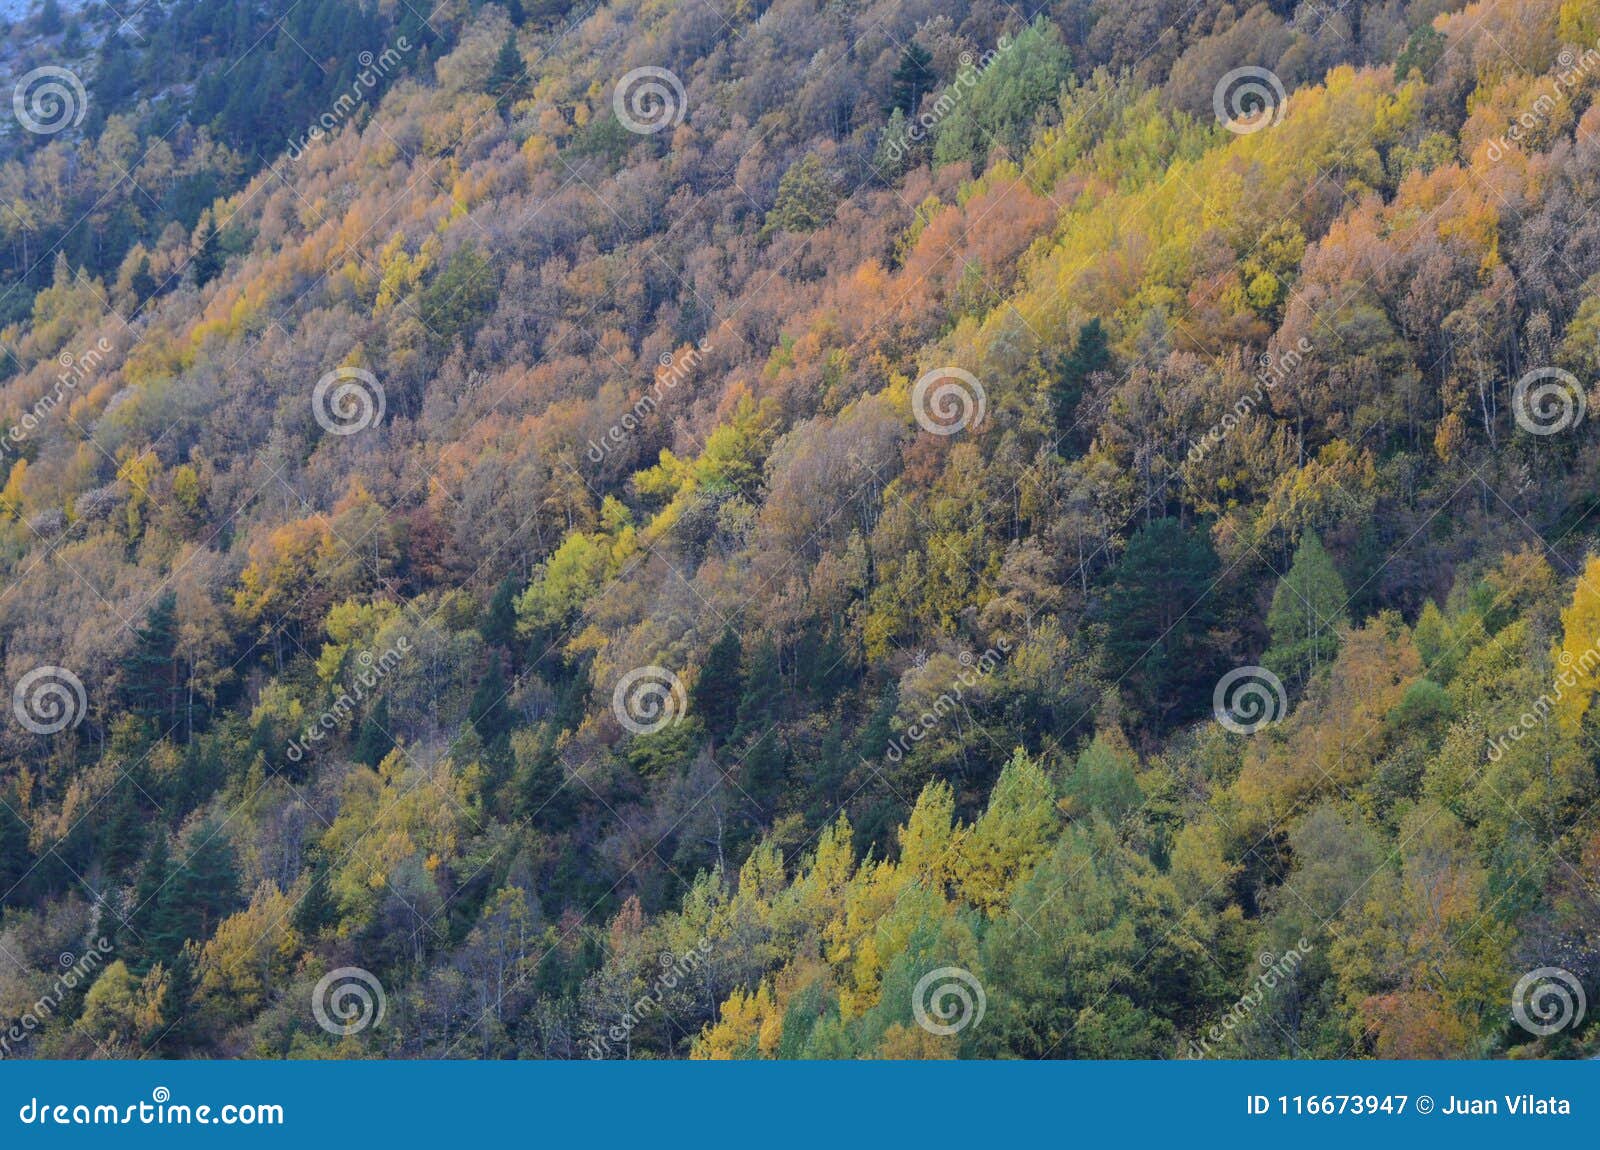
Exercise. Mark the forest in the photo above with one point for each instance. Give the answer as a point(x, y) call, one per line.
point(800, 529)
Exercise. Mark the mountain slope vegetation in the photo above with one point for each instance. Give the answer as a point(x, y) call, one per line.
point(683, 571)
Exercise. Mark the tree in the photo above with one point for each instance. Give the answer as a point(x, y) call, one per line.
point(374, 742)
point(1307, 613)
point(460, 296)
point(806, 198)
point(508, 79)
point(1579, 656)
point(1158, 611)
point(152, 676)
point(206, 261)
point(197, 893)
point(488, 712)
point(1103, 779)
point(719, 687)
point(500, 619)
point(913, 78)
point(1090, 353)
point(142, 284)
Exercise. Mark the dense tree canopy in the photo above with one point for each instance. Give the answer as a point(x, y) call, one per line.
point(656, 530)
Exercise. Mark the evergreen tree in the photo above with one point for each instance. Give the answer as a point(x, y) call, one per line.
point(1090, 353)
point(488, 711)
point(206, 261)
point(48, 21)
point(1103, 779)
point(316, 908)
point(374, 742)
point(500, 619)
point(152, 679)
point(177, 1033)
point(200, 891)
point(132, 940)
point(1158, 610)
point(806, 198)
point(913, 78)
point(122, 839)
point(15, 857)
point(1307, 613)
point(720, 687)
point(142, 283)
point(508, 79)
point(763, 691)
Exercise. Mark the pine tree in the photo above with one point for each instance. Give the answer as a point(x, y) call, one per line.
point(122, 839)
point(763, 691)
point(720, 686)
point(508, 79)
point(500, 619)
point(1307, 613)
point(152, 679)
point(806, 198)
point(15, 857)
point(177, 1033)
point(142, 283)
point(200, 891)
point(131, 938)
point(374, 742)
point(1090, 353)
point(914, 77)
point(207, 258)
point(488, 711)
point(1158, 612)
point(315, 909)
